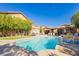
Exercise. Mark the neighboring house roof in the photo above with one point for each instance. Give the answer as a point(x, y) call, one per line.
point(9, 13)
point(12, 13)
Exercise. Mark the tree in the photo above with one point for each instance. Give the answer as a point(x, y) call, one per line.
point(40, 29)
point(75, 20)
point(9, 24)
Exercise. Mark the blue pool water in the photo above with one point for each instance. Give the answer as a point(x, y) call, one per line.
point(38, 43)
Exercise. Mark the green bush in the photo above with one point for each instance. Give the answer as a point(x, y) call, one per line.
point(68, 36)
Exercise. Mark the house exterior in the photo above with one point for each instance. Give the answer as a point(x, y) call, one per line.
point(47, 30)
point(64, 29)
point(44, 30)
point(35, 30)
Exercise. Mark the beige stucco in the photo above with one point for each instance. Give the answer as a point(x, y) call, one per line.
point(14, 14)
point(18, 15)
point(35, 30)
point(78, 30)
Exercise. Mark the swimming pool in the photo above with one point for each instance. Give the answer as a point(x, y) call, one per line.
point(38, 43)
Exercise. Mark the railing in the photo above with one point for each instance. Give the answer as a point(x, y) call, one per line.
point(67, 41)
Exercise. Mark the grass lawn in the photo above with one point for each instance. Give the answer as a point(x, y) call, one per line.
point(14, 37)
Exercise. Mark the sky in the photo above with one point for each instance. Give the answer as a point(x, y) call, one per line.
point(44, 14)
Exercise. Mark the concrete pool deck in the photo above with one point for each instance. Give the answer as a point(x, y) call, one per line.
point(3, 42)
point(61, 50)
point(55, 52)
point(69, 49)
point(12, 50)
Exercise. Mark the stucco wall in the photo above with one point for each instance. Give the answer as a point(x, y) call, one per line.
point(18, 15)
